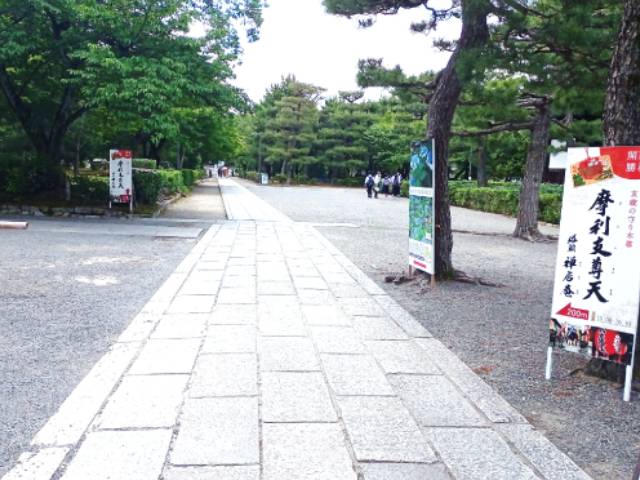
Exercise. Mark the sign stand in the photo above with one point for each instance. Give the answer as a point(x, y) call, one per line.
point(595, 306)
point(422, 207)
point(121, 178)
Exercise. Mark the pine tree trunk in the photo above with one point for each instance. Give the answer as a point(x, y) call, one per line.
point(621, 126)
point(528, 206)
point(622, 105)
point(442, 106)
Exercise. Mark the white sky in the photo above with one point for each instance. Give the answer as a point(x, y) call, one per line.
point(300, 38)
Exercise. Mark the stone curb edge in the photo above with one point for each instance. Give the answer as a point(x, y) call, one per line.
point(64, 429)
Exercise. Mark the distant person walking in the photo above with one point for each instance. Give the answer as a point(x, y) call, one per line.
point(376, 184)
point(397, 181)
point(386, 185)
point(368, 183)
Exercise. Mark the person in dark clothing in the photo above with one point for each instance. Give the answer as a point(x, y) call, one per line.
point(397, 181)
point(368, 183)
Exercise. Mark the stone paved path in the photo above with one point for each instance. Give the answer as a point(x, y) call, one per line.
point(203, 203)
point(268, 355)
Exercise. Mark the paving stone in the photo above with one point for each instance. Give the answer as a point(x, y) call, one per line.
point(473, 453)
point(69, 423)
point(355, 375)
point(378, 328)
point(339, 279)
point(295, 397)
point(199, 287)
point(145, 401)
point(305, 451)
point(249, 261)
point(315, 297)
point(225, 375)
point(230, 339)
point(270, 257)
point(382, 430)
point(239, 281)
point(287, 354)
point(140, 327)
point(217, 431)
point(404, 471)
point(239, 295)
point(192, 304)
point(213, 473)
point(540, 452)
point(242, 270)
point(275, 288)
point(131, 455)
point(167, 356)
point(403, 356)
point(324, 315)
point(310, 283)
point(210, 265)
point(234, 315)
point(331, 339)
point(181, 325)
point(39, 465)
point(434, 401)
point(348, 291)
point(280, 318)
point(496, 408)
point(360, 306)
point(403, 318)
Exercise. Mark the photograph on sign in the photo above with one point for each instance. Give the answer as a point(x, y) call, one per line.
point(422, 206)
point(120, 176)
point(596, 293)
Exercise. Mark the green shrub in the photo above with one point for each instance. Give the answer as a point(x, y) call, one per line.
point(26, 178)
point(144, 163)
point(147, 185)
point(279, 178)
point(89, 190)
point(171, 181)
point(302, 180)
point(188, 177)
point(404, 188)
point(504, 199)
point(350, 182)
point(253, 176)
point(550, 207)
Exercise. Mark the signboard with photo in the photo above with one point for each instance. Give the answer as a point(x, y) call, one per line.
point(421, 206)
point(120, 176)
point(596, 294)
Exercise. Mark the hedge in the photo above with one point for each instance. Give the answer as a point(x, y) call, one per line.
point(147, 163)
point(505, 200)
point(147, 184)
point(89, 190)
point(190, 177)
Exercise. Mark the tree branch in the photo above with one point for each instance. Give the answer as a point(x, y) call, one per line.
point(503, 127)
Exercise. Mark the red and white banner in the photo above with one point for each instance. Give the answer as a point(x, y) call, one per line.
point(120, 175)
point(596, 294)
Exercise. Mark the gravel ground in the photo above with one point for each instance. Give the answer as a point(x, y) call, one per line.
point(64, 298)
point(500, 332)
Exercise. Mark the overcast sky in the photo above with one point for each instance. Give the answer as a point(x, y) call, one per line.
point(298, 37)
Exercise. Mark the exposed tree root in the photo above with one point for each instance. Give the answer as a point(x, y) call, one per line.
point(460, 276)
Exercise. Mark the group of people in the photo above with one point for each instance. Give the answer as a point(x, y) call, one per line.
point(383, 183)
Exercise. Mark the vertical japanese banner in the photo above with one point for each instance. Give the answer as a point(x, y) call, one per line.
point(596, 293)
point(120, 176)
point(421, 206)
